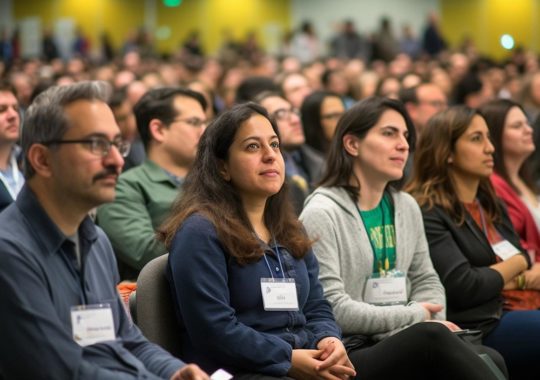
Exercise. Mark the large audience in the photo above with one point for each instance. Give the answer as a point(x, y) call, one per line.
point(367, 211)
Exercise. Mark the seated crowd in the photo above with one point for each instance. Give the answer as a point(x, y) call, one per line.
point(387, 229)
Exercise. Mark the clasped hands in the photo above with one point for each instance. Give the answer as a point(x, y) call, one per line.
point(329, 361)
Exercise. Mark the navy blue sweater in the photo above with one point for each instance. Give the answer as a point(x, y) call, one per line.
point(220, 304)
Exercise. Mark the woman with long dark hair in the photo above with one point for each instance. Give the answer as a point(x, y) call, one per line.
point(321, 112)
point(512, 137)
point(473, 245)
point(243, 276)
point(374, 260)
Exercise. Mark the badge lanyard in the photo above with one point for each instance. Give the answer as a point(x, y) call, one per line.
point(503, 249)
point(386, 268)
point(276, 251)
point(482, 218)
point(483, 221)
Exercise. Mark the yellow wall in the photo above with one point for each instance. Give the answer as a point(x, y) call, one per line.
point(486, 20)
point(119, 17)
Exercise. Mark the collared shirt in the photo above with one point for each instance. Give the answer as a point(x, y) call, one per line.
point(40, 282)
point(12, 179)
point(144, 196)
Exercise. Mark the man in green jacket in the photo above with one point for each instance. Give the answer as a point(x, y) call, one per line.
point(170, 121)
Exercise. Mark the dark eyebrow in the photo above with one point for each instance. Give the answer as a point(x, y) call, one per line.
point(257, 138)
point(392, 127)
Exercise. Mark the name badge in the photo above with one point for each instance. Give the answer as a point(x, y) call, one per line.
point(386, 291)
point(92, 324)
point(279, 294)
point(504, 249)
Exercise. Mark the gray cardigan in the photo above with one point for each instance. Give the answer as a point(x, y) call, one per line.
point(346, 260)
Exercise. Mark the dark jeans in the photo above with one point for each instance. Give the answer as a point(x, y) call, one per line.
point(517, 338)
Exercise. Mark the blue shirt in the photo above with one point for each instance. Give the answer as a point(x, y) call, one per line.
point(11, 179)
point(220, 304)
point(40, 282)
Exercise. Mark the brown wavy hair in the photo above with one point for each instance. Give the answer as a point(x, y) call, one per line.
point(431, 184)
point(495, 113)
point(206, 192)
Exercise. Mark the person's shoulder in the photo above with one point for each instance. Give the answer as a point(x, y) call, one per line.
point(404, 197)
point(326, 198)
point(198, 223)
point(16, 237)
point(311, 154)
point(135, 174)
point(12, 222)
point(437, 214)
point(328, 202)
point(101, 235)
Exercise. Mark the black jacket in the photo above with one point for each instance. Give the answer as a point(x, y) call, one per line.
point(461, 254)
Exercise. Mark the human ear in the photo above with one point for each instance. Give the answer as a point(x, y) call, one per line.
point(224, 171)
point(39, 159)
point(156, 128)
point(350, 144)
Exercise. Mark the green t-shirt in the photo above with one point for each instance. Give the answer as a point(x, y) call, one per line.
point(379, 224)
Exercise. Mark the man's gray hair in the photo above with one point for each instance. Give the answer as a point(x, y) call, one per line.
point(45, 119)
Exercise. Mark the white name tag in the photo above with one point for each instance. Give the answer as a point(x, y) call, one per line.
point(92, 324)
point(504, 249)
point(279, 294)
point(221, 374)
point(386, 291)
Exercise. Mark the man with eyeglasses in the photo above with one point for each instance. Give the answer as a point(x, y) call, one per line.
point(421, 102)
point(170, 121)
point(11, 178)
point(62, 317)
point(303, 164)
point(295, 87)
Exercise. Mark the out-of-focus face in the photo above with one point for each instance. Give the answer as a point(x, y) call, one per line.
point(382, 153)
point(390, 88)
point(517, 137)
point(204, 91)
point(296, 88)
point(338, 84)
point(9, 118)
point(23, 86)
point(135, 91)
point(472, 156)
point(331, 110)
point(441, 78)
point(255, 166)
point(123, 78)
point(123, 114)
point(181, 137)
point(431, 100)
point(288, 121)
point(478, 99)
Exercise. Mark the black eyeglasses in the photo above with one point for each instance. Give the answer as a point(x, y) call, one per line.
point(332, 116)
point(193, 121)
point(99, 146)
point(285, 114)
